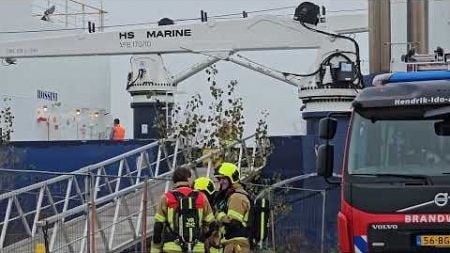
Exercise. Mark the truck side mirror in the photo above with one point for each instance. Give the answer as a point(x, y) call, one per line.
point(327, 128)
point(324, 162)
point(442, 128)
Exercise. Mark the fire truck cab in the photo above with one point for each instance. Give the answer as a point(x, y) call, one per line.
point(395, 185)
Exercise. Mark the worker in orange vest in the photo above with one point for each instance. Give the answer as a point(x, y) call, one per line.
point(117, 131)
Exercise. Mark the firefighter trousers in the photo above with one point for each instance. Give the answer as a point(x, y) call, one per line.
point(172, 247)
point(238, 246)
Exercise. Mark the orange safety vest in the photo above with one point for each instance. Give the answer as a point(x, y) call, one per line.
point(118, 133)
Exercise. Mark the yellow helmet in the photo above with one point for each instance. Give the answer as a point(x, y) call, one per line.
point(229, 170)
point(204, 184)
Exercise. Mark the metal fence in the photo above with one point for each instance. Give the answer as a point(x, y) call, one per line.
point(105, 207)
point(301, 219)
point(93, 222)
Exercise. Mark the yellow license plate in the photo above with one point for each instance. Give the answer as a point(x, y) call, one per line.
point(433, 240)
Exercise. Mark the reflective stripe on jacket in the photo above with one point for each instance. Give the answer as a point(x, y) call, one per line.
point(235, 215)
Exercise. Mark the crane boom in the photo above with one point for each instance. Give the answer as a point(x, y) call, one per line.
point(332, 82)
point(245, 34)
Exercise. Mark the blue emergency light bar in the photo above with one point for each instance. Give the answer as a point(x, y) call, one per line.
point(400, 77)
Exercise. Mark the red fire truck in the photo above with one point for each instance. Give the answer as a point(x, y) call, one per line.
point(395, 185)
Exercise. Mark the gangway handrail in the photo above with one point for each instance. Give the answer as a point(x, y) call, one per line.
point(139, 166)
point(83, 171)
point(132, 188)
point(103, 200)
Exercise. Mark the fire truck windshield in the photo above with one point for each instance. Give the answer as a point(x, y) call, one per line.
point(410, 147)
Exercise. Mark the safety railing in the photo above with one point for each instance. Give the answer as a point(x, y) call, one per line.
point(427, 66)
point(108, 206)
point(312, 230)
point(70, 13)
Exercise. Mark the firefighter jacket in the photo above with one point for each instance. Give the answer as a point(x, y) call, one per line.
point(163, 237)
point(234, 216)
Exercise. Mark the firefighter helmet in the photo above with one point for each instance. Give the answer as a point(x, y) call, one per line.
point(228, 170)
point(204, 184)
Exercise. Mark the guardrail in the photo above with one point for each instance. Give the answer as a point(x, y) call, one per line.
point(70, 13)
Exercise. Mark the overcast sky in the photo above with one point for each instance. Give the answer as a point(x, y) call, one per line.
point(259, 92)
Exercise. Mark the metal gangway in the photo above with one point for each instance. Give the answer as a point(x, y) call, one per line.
point(108, 206)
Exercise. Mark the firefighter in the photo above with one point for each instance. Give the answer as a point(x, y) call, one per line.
point(181, 217)
point(212, 242)
point(233, 209)
point(117, 131)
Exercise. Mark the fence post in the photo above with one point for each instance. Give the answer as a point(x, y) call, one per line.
point(45, 234)
point(144, 218)
point(272, 222)
point(92, 211)
point(87, 190)
point(322, 235)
